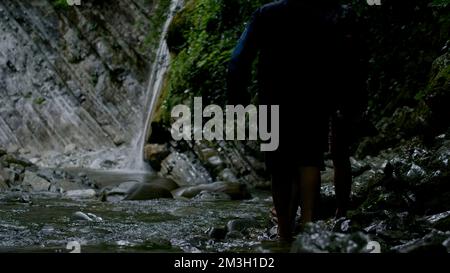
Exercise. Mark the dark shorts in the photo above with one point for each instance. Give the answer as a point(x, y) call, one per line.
point(306, 149)
point(276, 162)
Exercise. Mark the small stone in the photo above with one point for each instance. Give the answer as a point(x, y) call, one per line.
point(12, 149)
point(118, 140)
point(273, 232)
point(89, 193)
point(217, 233)
point(94, 217)
point(81, 216)
point(212, 196)
point(66, 185)
point(227, 175)
point(12, 178)
point(55, 189)
point(108, 164)
point(446, 244)
point(433, 219)
point(70, 148)
point(241, 225)
point(35, 160)
point(24, 151)
point(48, 230)
point(16, 197)
point(32, 182)
point(118, 193)
point(215, 161)
point(155, 154)
point(415, 172)
point(17, 168)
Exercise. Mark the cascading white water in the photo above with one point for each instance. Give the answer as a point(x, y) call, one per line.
point(153, 93)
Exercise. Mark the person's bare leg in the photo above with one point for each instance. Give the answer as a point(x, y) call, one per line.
point(309, 184)
point(342, 184)
point(285, 199)
point(342, 167)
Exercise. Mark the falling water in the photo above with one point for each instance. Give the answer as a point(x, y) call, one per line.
point(153, 93)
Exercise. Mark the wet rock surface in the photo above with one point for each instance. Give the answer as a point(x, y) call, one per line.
point(74, 79)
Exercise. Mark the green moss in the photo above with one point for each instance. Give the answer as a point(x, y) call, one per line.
point(441, 2)
point(438, 84)
point(442, 79)
point(403, 40)
point(157, 20)
point(201, 39)
point(39, 101)
point(60, 4)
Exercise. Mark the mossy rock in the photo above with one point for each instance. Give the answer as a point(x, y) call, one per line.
point(158, 188)
point(9, 159)
point(2, 152)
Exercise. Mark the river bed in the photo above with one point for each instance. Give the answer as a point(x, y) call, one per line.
point(47, 223)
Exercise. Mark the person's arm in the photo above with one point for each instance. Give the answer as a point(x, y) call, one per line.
point(240, 66)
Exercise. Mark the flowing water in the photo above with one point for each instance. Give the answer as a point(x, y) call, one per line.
point(153, 93)
point(48, 224)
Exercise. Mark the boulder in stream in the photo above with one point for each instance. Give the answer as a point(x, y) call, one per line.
point(81, 194)
point(155, 154)
point(158, 188)
point(32, 182)
point(236, 191)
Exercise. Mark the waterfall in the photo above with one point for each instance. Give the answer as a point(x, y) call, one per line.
point(74, 96)
point(155, 84)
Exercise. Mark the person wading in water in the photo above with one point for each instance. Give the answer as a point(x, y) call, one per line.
point(310, 62)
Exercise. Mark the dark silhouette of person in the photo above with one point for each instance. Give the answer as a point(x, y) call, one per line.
point(310, 62)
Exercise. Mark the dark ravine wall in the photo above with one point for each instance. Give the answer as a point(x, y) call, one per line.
point(75, 76)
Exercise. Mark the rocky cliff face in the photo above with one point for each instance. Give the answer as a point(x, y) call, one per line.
point(75, 77)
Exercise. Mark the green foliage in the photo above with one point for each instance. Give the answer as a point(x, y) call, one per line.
point(403, 37)
point(441, 2)
point(39, 100)
point(157, 21)
point(201, 39)
point(60, 4)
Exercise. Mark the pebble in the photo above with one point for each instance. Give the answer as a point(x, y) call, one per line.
point(87, 217)
point(90, 193)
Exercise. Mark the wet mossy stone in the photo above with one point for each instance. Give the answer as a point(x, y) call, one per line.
point(236, 191)
point(9, 159)
point(155, 189)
